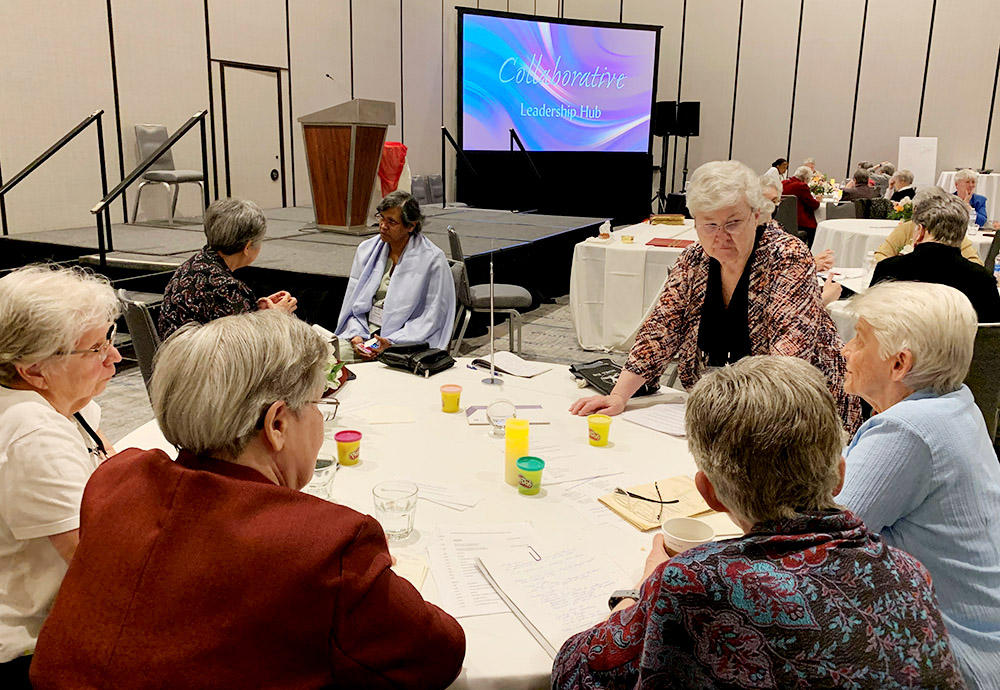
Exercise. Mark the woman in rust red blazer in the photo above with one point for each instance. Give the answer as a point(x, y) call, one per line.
point(214, 571)
point(798, 186)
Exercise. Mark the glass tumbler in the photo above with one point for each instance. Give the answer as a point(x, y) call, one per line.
point(395, 507)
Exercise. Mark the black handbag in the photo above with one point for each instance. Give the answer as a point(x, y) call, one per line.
point(417, 358)
point(602, 374)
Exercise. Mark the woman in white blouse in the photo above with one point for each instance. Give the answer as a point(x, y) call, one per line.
point(56, 353)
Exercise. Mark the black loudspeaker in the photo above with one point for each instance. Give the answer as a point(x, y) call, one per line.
point(688, 118)
point(664, 118)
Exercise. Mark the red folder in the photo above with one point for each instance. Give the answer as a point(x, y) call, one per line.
point(664, 242)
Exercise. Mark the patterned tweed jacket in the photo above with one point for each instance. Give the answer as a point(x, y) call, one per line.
point(785, 311)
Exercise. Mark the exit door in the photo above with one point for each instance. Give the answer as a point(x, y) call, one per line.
point(253, 137)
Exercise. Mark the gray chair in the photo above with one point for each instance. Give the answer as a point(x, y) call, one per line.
point(507, 299)
point(145, 339)
point(787, 214)
point(845, 210)
point(435, 186)
point(982, 378)
point(148, 138)
point(991, 255)
point(420, 189)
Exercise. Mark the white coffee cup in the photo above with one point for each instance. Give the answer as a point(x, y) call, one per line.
point(683, 533)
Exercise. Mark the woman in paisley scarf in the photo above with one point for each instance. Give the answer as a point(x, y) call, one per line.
point(808, 597)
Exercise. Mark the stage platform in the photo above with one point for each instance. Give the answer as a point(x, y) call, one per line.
point(531, 250)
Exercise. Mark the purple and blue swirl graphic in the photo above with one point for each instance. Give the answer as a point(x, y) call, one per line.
point(560, 87)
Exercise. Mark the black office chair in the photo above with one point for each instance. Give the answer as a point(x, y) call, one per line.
point(844, 210)
point(982, 378)
point(787, 214)
point(145, 339)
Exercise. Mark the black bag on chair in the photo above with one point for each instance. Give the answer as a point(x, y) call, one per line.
point(417, 358)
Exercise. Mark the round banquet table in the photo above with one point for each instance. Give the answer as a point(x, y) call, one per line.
point(440, 447)
point(613, 285)
point(987, 185)
point(852, 238)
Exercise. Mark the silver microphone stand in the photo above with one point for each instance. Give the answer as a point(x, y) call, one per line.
point(493, 379)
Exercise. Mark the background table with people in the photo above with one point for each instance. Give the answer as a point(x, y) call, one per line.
point(852, 238)
point(986, 184)
point(613, 283)
point(420, 442)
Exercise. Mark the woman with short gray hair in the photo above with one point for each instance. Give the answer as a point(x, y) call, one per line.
point(901, 185)
point(940, 221)
point(401, 288)
point(204, 288)
point(965, 188)
point(923, 471)
point(745, 288)
point(57, 352)
point(216, 567)
point(803, 591)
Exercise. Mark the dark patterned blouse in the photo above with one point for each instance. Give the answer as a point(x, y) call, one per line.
point(785, 315)
point(812, 602)
point(203, 289)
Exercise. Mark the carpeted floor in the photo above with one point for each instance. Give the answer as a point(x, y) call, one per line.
point(547, 334)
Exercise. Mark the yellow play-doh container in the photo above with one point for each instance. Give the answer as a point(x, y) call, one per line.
point(450, 396)
point(348, 447)
point(598, 426)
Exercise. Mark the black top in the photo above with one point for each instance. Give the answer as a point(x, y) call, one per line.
point(903, 193)
point(933, 262)
point(724, 332)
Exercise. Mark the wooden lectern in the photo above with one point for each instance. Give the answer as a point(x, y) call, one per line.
point(343, 149)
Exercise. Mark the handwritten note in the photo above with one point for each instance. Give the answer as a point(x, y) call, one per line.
point(453, 553)
point(556, 594)
point(563, 465)
point(667, 418)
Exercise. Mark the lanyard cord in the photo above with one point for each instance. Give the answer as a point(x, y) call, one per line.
point(86, 427)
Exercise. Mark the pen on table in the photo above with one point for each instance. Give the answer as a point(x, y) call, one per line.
point(476, 368)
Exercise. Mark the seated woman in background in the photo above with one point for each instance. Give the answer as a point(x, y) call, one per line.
point(772, 192)
point(743, 289)
point(56, 353)
point(900, 240)
point(401, 288)
point(965, 188)
point(204, 288)
point(214, 570)
point(808, 597)
point(922, 472)
point(901, 186)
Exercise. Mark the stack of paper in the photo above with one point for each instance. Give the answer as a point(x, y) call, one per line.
point(454, 496)
point(563, 465)
point(475, 415)
point(453, 552)
point(509, 363)
point(667, 418)
point(680, 489)
point(557, 593)
point(411, 568)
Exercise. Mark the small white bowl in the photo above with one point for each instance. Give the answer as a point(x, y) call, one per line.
point(683, 533)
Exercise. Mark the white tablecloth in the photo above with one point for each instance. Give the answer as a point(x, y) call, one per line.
point(612, 285)
point(987, 185)
point(443, 447)
point(852, 238)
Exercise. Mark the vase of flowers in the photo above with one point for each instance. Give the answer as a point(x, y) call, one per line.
point(901, 210)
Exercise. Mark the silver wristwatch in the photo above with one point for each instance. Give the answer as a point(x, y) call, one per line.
point(619, 594)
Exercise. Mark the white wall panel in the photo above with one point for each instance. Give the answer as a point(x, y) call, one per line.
point(708, 74)
point(828, 70)
point(165, 86)
point(242, 33)
point(56, 71)
point(523, 6)
point(377, 68)
point(320, 44)
point(891, 77)
point(547, 8)
point(422, 85)
point(498, 5)
point(596, 10)
point(764, 93)
point(449, 91)
point(960, 80)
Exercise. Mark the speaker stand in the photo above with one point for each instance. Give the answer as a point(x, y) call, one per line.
point(661, 194)
point(687, 143)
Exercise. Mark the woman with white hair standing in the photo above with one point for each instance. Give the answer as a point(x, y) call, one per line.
point(922, 471)
point(743, 289)
point(214, 570)
point(965, 186)
point(56, 353)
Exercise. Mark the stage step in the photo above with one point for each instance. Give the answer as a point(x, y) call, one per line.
point(141, 262)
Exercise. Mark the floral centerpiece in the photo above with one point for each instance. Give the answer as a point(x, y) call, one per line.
point(901, 210)
point(821, 185)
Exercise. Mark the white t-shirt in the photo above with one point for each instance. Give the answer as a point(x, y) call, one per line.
point(45, 462)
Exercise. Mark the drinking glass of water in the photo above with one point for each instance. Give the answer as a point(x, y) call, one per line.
point(497, 413)
point(321, 484)
point(395, 507)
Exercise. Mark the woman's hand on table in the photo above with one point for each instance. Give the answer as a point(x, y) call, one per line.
point(610, 405)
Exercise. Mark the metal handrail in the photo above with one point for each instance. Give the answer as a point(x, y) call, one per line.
point(145, 165)
point(51, 151)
